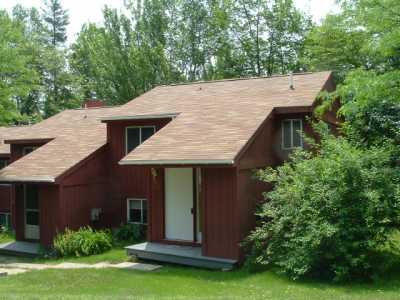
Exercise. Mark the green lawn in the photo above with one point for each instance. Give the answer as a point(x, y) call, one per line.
point(174, 282)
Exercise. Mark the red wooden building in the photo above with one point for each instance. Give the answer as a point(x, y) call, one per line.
point(178, 158)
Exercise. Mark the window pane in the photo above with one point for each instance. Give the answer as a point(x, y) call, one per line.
point(32, 197)
point(135, 215)
point(287, 142)
point(32, 218)
point(296, 133)
point(145, 212)
point(147, 132)
point(135, 204)
point(133, 138)
point(3, 163)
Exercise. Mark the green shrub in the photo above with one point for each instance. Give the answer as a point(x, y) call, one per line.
point(328, 213)
point(83, 242)
point(130, 232)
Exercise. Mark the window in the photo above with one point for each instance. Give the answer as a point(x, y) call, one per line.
point(3, 163)
point(292, 133)
point(137, 135)
point(27, 150)
point(5, 220)
point(137, 211)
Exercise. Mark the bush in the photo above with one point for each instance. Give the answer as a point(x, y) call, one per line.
point(328, 213)
point(83, 242)
point(130, 233)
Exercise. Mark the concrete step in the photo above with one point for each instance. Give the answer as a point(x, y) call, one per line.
point(183, 255)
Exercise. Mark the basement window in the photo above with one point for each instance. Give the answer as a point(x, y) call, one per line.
point(134, 136)
point(292, 131)
point(137, 211)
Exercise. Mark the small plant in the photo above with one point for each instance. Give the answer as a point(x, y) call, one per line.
point(130, 232)
point(83, 242)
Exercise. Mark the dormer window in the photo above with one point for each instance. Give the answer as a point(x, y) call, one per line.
point(292, 131)
point(136, 135)
point(27, 150)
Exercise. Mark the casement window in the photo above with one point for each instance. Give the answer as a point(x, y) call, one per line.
point(27, 150)
point(292, 130)
point(137, 211)
point(5, 220)
point(134, 136)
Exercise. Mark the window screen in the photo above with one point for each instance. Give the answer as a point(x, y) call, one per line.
point(292, 134)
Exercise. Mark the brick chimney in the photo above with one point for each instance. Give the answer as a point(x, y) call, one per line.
point(92, 103)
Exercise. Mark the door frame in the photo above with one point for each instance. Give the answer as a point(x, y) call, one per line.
point(197, 201)
point(33, 210)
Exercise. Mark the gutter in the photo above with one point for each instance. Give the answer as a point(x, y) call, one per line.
point(28, 179)
point(141, 117)
point(177, 162)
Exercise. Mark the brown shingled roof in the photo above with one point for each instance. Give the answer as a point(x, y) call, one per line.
point(73, 135)
point(216, 119)
point(212, 122)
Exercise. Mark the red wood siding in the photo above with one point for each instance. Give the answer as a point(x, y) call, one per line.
point(19, 212)
point(87, 188)
point(127, 181)
point(49, 210)
point(156, 206)
point(220, 226)
point(5, 198)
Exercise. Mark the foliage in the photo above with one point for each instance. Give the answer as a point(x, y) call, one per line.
point(371, 106)
point(328, 213)
point(130, 232)
point(82, 242)
point(16, 75)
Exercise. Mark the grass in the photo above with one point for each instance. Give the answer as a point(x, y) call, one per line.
point(175, 282)
point(172, 282)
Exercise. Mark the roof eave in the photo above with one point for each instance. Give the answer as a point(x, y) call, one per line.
point(140, 117)
point(28, 179)
point(175, 162)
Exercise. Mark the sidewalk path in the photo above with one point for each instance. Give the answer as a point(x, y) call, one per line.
point(17, 268)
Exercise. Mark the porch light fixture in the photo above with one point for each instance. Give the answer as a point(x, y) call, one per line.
point(154, 173)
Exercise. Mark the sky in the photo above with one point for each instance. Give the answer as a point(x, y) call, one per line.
point(82, 11)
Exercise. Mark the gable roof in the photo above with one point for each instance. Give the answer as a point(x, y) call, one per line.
point(73, 135)
point(214, 120)
point(211, 123)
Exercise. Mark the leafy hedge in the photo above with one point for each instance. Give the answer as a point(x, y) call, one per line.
point(130, 233)
point(328, 213)
point(82, 242)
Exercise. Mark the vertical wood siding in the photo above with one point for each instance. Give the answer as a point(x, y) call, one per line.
point(5, 198)
point(220, 226)
point(127, 181)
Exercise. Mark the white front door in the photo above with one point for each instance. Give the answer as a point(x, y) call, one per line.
point(179, 204)
point(31, 212)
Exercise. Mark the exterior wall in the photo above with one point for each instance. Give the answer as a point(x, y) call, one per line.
point(220, 213)
point(126, 181)
point(5, 197)
point(84, 189)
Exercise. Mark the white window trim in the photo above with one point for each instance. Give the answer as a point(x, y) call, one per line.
point(28, 148)
point(140, 134)
point(291, 133)
point(141, 209)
